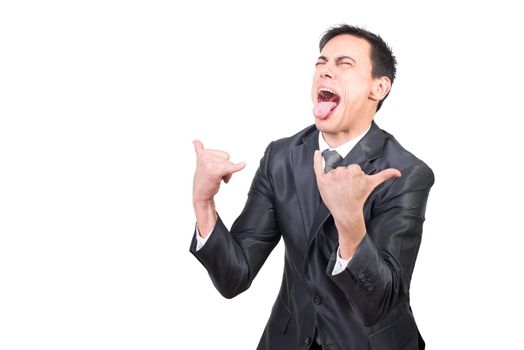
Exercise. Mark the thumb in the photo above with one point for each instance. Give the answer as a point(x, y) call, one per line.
point(384, 175)
point(233, 169)
point(238, 167)
point(317, 164)
point(199, 147)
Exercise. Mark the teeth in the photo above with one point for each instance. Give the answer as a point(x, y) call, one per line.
point(328, 90)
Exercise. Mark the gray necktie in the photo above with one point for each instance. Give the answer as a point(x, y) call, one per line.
point(332, 160)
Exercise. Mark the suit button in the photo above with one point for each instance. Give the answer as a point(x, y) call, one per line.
point(317, 300)
point(307, 340)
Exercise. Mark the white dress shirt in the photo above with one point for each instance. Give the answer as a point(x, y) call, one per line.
point(343, 150)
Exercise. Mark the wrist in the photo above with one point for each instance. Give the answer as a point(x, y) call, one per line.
point(204, 204)
point(351, 230)
point(206, 216)
point(348, 246)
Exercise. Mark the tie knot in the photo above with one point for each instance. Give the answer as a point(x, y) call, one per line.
point(332, 160)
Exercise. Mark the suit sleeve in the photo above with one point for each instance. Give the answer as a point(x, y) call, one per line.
point(379, 274)
point(233, 258)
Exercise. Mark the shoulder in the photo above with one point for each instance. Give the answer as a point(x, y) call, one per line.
point(394, 155)
point(297, 139)
point(285, 146)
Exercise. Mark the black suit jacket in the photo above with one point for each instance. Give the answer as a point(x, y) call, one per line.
point(367, 305)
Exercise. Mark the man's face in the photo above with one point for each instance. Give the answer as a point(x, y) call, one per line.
point(342, 85)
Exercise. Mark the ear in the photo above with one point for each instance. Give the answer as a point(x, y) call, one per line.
point(380, 88)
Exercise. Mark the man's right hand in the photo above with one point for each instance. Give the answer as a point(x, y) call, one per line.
point(212, 167)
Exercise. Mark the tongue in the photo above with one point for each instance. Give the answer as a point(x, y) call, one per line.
point(322, 109)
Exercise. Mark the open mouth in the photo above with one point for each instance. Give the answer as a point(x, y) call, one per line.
point(327, 101)
point(328, 95)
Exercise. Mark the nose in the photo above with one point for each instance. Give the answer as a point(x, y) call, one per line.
point(325, 72)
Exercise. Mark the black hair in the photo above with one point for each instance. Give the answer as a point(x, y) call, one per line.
point(383, 61)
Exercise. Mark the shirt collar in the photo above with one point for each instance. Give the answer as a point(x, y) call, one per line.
point(344, 148)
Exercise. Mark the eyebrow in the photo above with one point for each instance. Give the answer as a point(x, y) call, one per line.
point(341, 58)
point(338, 59)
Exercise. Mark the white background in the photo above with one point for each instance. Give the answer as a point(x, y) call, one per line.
point(99, 103)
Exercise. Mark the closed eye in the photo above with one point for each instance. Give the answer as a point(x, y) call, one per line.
point(345, 64)
point(345, 61)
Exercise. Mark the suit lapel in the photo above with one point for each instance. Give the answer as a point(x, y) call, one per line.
point(367, 149)
point(305, 181)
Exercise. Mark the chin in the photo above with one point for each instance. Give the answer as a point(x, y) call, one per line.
point(323, 125)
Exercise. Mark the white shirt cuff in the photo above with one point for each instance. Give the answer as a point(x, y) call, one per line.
point(200, 241)
point(340, 264)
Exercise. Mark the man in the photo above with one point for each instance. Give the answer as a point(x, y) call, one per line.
point(348, 201)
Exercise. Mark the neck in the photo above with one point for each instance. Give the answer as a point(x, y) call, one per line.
point(336, 139)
